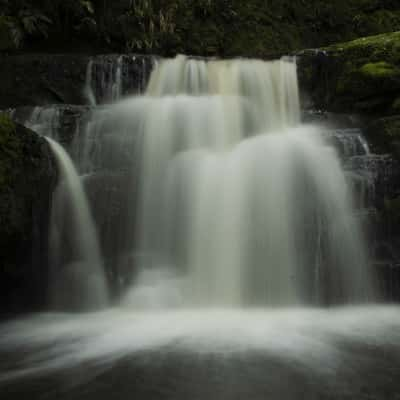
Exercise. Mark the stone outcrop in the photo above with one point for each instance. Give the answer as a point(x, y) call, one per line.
point(361, 76)
point(27, 177)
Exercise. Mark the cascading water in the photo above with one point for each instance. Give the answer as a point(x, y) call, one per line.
point(77, 276)
point(237, 197)
point(232, 201)
point(110, 77)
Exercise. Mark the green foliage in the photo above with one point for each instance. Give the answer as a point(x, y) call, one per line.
point(152, 22)
point(34, 23)
point(27, 22)
point(263, 28)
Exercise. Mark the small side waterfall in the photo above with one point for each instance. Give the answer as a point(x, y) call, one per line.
point(77, 275)
point(110, 77)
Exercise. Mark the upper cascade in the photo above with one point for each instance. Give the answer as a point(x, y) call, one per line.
point(270, 88)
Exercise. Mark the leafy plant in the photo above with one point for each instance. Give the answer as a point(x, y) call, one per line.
point(34, 23)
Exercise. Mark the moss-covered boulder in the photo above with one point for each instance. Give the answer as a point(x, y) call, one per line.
point(362, 75)
point(27, 177)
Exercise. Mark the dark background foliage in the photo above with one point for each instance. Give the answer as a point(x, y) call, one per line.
point(262, 28)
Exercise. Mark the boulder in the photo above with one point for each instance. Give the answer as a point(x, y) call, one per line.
point(361, 76)
point(27, 177)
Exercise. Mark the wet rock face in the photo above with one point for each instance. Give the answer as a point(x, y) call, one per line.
point(27, 177)
point(42, 79)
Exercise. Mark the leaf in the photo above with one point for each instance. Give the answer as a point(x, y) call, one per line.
point(35, 23)
point(88, 5)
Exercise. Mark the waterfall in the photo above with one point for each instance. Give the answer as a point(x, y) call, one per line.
point(77, 276)
point(110, 77)
point(238, 201)
point(209, 191)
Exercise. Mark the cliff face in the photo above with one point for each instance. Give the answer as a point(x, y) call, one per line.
point(27, 176)
point(256, 28)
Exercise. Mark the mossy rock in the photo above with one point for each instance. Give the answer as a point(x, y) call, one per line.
point(379, 70)
point(27, 178)
point(362, 75)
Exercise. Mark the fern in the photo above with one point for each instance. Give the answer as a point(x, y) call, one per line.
point(35, 23)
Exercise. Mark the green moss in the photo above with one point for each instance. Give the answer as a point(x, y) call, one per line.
point(365, 73)
point(379, 70)
point(384, 47)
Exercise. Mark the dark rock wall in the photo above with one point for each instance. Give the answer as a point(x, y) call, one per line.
point(42, 79)
point(27, 177)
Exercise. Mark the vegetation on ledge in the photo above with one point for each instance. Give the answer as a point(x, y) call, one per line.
point(256, 28)
point(361, 76)
point(368, 73)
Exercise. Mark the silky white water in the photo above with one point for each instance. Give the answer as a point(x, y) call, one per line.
point(232, 201)
point(77, 276)
point(238, 199)
point(347, 353)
